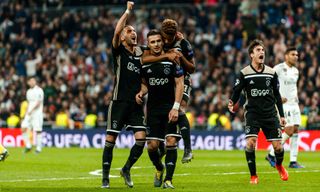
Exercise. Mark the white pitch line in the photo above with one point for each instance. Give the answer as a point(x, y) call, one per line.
point(144, 175)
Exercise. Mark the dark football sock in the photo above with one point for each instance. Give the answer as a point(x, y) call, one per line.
point(155, 159)
point(185, 130)
point(107, 159)
point(279, 157)
point(162, 148)
point(135, 152)
point(171, 159)
point(251, 160)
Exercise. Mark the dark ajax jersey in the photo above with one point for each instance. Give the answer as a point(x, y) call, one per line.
point(160, 79)
point(261, 89)
point(185, 48)
point(127, 69)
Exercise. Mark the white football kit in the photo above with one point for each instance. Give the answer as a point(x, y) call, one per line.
point(35, 119)
point(288, 78)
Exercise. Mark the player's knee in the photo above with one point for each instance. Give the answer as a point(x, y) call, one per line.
point(111, 138)
point(153, 146)
point(277, 147)
point(170, 141)
point(140, 142)
point(251, 143)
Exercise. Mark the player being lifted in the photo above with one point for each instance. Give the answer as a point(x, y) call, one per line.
point(288, 77)
point(174, 42)
point(163, 81)
point(123, 109)
point(260, 85)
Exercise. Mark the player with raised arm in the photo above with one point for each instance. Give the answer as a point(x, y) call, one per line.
point(163, 81)
point(123, 109)
point(288, 77)
point(263, 102)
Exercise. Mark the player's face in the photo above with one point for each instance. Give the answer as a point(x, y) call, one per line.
point(258, 55)
point(155, 44)
point(292, 58)
point(168, 39)
point(31, 82)
point(129, 36)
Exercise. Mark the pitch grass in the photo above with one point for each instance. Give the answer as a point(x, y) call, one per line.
point(68, 170)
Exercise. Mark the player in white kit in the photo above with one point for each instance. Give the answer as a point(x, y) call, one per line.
point(33, 119)
point(288, 77)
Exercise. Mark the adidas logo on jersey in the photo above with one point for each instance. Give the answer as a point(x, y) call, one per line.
point(149, 71)
point(251, 82)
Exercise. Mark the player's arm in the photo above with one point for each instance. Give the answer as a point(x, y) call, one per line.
point(276, 92)
point(187, 59)
point(179, 87)
point(237, 89)
point(143, 91)
point(120, 25)
point(148, 58)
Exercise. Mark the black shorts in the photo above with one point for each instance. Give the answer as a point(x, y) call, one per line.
point(159, 128)
point(187, 90)
point(125, 114)
point(270, 127)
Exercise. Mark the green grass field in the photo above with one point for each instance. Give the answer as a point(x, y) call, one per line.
point(69, 170)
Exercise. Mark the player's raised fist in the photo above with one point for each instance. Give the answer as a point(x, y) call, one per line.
point(130, 5)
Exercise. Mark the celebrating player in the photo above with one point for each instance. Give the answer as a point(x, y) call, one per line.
point(123, 109)
point(163, 81)
point(261, 88)
point(174, 42)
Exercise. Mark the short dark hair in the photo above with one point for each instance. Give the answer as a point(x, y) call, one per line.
point(153, 32)
point(169, 27)
point(291, 48)
point(253, 44)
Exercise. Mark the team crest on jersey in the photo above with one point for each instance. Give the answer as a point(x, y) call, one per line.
point(114, 124)
point(284, 70)
point(167, 71)
point(268, 82)
point(247, 129)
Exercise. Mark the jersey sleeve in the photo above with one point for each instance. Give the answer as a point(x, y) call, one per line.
point(187, 50)
point(178, 71)
point(277, 68)
point(116, 51)
point(237, 88)
point(276, 92)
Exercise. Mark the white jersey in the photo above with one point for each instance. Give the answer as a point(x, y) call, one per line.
point(35, 95)
point(288, 78)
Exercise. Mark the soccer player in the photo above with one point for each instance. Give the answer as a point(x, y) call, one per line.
point(123, 109)
point(3, 153)
point(288, 77)
point(174, 42)
point(260, 85)
point(33, 119)
point(163, 81)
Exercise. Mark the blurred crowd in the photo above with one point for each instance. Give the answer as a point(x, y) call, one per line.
point(68, 49)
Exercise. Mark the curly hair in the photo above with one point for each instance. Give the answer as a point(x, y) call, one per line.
point(169, 27)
